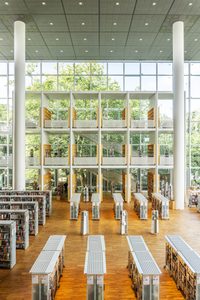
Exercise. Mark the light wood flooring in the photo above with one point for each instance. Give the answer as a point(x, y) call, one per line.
point(15, 284)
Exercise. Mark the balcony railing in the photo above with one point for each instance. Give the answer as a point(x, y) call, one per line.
point(142, 160)
point(6, 161)
point(56, 124)
point(85, 160)
point(32, 161)
point(166, 160)
point(114, 160)
point(32, 124)
point(56, 161)
point(85, 123)
point(142, 123)
point(166, 123)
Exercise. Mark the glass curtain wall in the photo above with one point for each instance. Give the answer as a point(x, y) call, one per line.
point(111, 76)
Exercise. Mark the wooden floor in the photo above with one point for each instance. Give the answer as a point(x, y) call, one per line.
point(16, 284)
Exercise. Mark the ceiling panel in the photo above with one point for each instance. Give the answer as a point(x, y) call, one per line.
point(34, 38)
point(90, 22)
point(8, 21)
point(147, 23)
point(13, 7)
point(38, 52)
point(86, 51)
point(115, 23)
point(183, 7)
point(85, 38)
point(44, 22)
point(62, 51)
point(87, 7)
point(147, 7)
point(135, 39)
point(51, 7)
point(122, 7)
point(6, 39)
point(111, 52)
point(57, 38)
point(7, 51)
point(163, 40)
point(189, 21)
point(113, 38)
point(109, 25)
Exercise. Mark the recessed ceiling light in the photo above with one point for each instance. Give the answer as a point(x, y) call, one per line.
point(43, 3)
point(51, 23)
point(190, 4)
point(111, 51)
point(29, 39)
point(136, 51)
point(161, 51)
point(113, 39)
point(195, 40)
point(85, 39)
point(83, 24)
point(57, 39)
point(146, 24)
point(154, 3)
point(115, 23)
point(1, 39)
point(140, 39)
point(36, 51)
point(80, 3)
point(61, 51)
point(169, 39)
point(86, 51)
point(6, 3)
point(117, 3)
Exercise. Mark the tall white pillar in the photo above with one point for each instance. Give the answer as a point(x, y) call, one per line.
point(179, 114)
point(19, 106)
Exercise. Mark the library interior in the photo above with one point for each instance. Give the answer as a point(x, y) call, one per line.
point(99, 149)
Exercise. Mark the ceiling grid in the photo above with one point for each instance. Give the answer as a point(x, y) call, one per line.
point(100, 29)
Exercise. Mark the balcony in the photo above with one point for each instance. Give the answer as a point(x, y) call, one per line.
point(56, 124)
point(113, 161)
point(85, 154)
point(114, 118)
point(56, 161)
point(85, 123)
point(142, 160)
point(166, 160)
point(6, 161)
point(32, 161)
point(143, 154)
point(166, 124)
point(166, 154)
point(32, 124)
point(142, 123)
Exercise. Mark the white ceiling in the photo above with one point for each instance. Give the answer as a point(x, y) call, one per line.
point(110, 32)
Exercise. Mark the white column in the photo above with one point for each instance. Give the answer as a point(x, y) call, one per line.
point(179, 124)
point(19, 125)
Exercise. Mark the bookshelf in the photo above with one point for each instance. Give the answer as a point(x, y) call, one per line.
point(118, 205)
point(143, 270)
point(141, 206)
point(32, 207)
point(47, 194)
point(28, 198)
point(7, 244)
point(47, 269)
point(183, 264)
point(21, 217)
point(161, 203)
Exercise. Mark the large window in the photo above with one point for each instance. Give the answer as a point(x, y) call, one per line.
point(111, 76)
